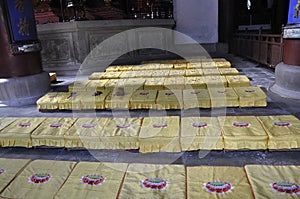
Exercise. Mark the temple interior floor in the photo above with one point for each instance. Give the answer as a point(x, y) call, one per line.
point(260, 76)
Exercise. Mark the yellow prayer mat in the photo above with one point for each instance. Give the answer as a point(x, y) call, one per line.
point(193, 72)
point(114, 83)
point(274, 182)
point(194, 65)
point(195, 83)
point(69, 101)
point(160, 73)
point(160, 134)
point(200, 133)
point(93, 100)
point(18, 133)
point(134, 83)
point(129, 74)
point(174, 83)
point(85, 133)
point(217, 182)
point(283, 131)
point(180, 66)
point(211, 71)
point(215, 81)
point(176, 73)
point(40, 179)
point(111, 75)
point(93, 180)
point(208, 64)
point(96, 76)
point(154, 83)
point(78, 86)
point(165, 66)
point(169, 99)
point(143, 99)
point(238, 81)
point(229, 71)
point(112, 69)
point(5, 121)
point(48, 101)
point(118, 100)
point(198, 98)
point(9, 169)
point(51, 132)
point(223, 97)
point(243, 132)
point(167, 181)
point(251, 96)
point(152, 66)
point(121, 133)
point(223, 64)
point(96, 85)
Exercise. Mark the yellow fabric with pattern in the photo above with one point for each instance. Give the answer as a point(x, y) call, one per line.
point(193, 72)
point(194, 83)
point(198, 98)
point(93, 100)
point(223, 97)
point(229, 71)
point(174, 83)
point(115, 100)
point(143, 99)
point(169, 99)
point(238, 81)
point(215, 81)
point(5, 121)
point(251, 96)
point(96, 85)
point(154, 83)
point(48, 101)
point(96, 76)
point(211, 71)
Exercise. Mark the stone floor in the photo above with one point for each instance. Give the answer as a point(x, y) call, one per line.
point(259, 75)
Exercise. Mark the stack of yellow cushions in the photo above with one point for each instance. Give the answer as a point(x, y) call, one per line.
point(48, 101)
point(198, 98)
point(121, 133)
point(169, 99)
point(243, 132)
point(223, 97)
point(18, 133)
point(51, 132)
point(274, 181)
point(9, 170)
point(143, 99)
point(160, 134)
point(238, 81)
point(251, 96)
point(218, 182)
point(25, 184)
point(200, 133)
point(283, 131)
point(86, 133)
point(110, 176)
point(171, 179)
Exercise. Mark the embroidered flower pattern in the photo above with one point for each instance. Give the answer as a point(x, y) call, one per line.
point(93, 179)
point(40, 178)
point(219, 187)
point(154, 183)
point(286, 187)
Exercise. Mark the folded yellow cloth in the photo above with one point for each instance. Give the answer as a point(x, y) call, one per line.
point(274, 181)
point(154, 83)
point(194, 65)
point(238, 81)
point(193, 72)
point(85, 133)
point(5, 121)
point(223, 97)
point(51, 132)
point(96, 85)
point(215, 81)
point(93, 180)
point(96, 76)
point(168, 181)
point(198, 98)
point(9, 169)
point(243, 132)
point(195, 83)
point(40, 179)
point(69, 101)
point(251, 96)
point(211, 71)
point(174, 83)
point(160, 134)
point(143, 99)
point(19, 132)
point(169, 99)
point(48, 101)
point(229, 71)
point(217, 182)
point(283, 131)
point(93, 100)
point(200, 133)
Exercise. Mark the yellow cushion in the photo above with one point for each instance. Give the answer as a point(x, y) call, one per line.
point(111, 173)
point(176, 73)
point(267, 180)
point(238, 81)
point(5, 121)
point(243, 132)
point(154, 84)
point(22, 187)
point(96, 76)
point(194, 83)
point(193, 72)
point(78, 86)
point(125, 68)
point(194, 65)
point(69, 101)
point(114, 100)
point(93, 100)
point(134, 83)
point(215, 81)
point(228, 71)
point(174, 83)
point(198, 98)
point(211, 71)
point(219, 59)
point(160, 134)
point(140, 174)
point(114, 83)
point(180, 66)
point(160, 73)
point(283, 131)
point(96, 85)
point(223, 97)
point(232, 179)
point(51, 132)
point(169, 99)
point(166, 66)
point(48, 101)
point(208, 64)
point(200, 133)
point(143, 99)
point(111, 75)
point(223, 64)
point(251, 96)
point(112, 69)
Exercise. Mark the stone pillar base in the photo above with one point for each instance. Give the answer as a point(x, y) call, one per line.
point(287, 81)
point(20, 91)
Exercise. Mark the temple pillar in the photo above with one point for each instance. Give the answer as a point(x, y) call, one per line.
point(22, 80)
point(287, 73)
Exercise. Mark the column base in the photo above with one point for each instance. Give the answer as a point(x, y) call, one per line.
point(20, 91)
point(287, 81)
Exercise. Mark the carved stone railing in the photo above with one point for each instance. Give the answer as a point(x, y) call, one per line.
point(266, 49)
